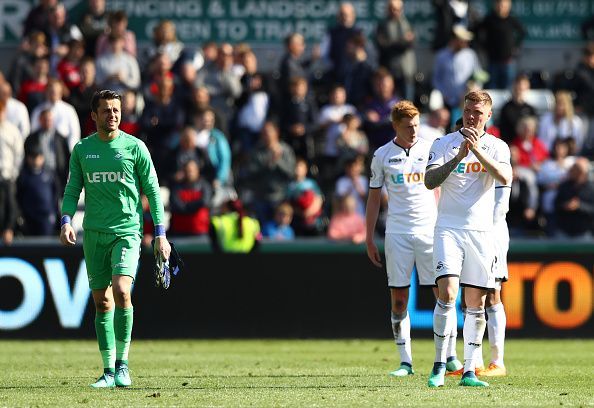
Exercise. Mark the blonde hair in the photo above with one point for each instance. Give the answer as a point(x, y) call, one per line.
point(403, 109)
point(479, 96)
point(565, 97)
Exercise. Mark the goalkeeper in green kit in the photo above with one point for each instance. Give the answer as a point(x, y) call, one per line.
point(113, 167)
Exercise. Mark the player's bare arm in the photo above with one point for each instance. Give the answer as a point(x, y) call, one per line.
point(502, 172)
point(371, 214)
point(435, 175)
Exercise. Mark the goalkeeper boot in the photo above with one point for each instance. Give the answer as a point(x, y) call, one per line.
point(437, 376)
point(122, 375)
point(105, 381)
point(469, 379)
point(402, 371)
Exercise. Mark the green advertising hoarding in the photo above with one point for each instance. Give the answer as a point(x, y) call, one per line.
point(267, 22)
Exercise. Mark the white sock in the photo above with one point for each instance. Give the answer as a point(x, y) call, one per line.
point(496, 328)
point(444, 319)
point(474, 329)
point(451, 350)
point(401, 330)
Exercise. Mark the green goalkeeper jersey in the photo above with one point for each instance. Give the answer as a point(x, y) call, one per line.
point(113, 175)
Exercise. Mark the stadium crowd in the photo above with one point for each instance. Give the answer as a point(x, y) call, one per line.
point(294, 144)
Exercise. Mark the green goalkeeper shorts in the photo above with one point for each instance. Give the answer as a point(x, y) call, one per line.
point(110, 254)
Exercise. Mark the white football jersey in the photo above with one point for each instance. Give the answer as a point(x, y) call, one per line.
point(411, 206)
point(467, 196)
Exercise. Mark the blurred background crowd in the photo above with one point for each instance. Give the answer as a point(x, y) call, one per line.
point(293, 143)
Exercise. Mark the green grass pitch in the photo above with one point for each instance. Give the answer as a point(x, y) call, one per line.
point(291, 373)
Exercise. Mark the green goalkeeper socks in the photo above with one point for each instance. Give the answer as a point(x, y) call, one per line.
point(123, 319)
point(106, 338)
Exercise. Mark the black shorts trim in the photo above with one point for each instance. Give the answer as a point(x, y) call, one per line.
point(431, 285)
point(375, 188)
point(467, 285)
point(399, 287)
point(449, 275)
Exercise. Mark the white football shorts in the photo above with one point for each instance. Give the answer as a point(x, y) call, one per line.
point(470, 255)
point(501, 241)
point(403, 251)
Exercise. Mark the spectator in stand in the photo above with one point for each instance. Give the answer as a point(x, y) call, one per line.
point(189, 202)
point(524, 198)
point(217, 147)
point(37, 193)
point(500, 34)
point(81, 95)
point(201, 102)
point(54, 148)
point(130, 116)
point(117, 22)
point(161, 120)
point(515, 109)
point(437, 125)
point(352, 140)
point(292, 64)
point(358, 72)
point(189, 150)
point(32, 91)
point(450, 13)
point(38, 17)
point(454, 65)
point(333, 45)
point(584, 87)
point(184, 90)
point(164, 42)
point(376, 116)
point(93, 24)
point(210, 52)
point(562, 123)
point(116, 69)
point(274, 161)
point(298, 118)
point(346, 223)
point(65, 117)
point(307, 200)
point(59, 32)
point(155, 72)
point(574, 203)
point(252, 106)
point(329, 121)
point(395, 40)
point(16, 111)
point(69, 67)
point(532, 151)
point(33, 47)
point(552, 172)
point(279, 228)
point(11, 151)
point(223, 85)
point(354, 183)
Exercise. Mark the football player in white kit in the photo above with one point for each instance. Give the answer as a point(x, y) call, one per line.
point(466, 164)
point(399, 166)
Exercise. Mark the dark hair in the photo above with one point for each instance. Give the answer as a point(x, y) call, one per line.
point(106, 94)
point(33, 147)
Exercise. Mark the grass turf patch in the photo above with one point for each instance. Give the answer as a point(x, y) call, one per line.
point(296, 373)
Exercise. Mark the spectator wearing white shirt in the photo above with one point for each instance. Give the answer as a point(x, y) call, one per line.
point(65, 118)
point(16, 111)
point(562, 123)
point(117, 69)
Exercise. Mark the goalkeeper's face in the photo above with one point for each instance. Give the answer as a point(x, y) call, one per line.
point(108, 116)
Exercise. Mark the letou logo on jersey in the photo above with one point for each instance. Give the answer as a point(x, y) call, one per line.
point(106, 176)
point(470, 167)
point(407, 178)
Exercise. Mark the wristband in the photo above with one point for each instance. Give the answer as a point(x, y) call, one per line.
point(65, 220)
point(159, 230)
